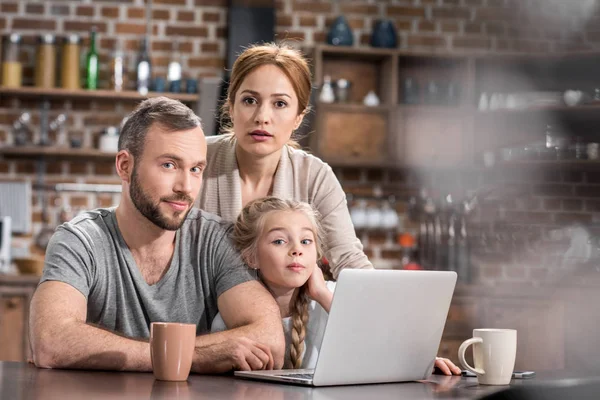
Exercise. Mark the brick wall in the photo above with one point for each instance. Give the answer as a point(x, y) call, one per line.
point(200, 25)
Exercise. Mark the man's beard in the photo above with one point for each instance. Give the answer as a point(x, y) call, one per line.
point(151, 211)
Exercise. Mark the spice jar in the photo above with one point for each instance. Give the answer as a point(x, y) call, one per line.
point(12, 69)
point(45, 62)
point(70, 71)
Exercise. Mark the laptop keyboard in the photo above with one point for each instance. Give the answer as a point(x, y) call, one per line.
point(300, 376)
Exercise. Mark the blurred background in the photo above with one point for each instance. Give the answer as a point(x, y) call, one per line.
point(464, 132)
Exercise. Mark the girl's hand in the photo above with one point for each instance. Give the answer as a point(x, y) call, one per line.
point(317, 289)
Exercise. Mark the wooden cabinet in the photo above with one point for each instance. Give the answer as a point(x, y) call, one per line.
point(433, 138)
point(15, 296)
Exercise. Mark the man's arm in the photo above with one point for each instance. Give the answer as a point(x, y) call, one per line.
point(250, 312)
point(60, 337)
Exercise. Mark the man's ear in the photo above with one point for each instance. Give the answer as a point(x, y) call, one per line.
point(124, 164)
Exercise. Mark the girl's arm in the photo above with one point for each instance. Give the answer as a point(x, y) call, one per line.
point(318, 291)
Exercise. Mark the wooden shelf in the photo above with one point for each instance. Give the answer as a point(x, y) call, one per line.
point(100, 94)
point(570, 164)
point(54, 152)
point(371, 52)
point(353, 107)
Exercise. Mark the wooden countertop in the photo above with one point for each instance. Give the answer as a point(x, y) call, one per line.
point(25, 381)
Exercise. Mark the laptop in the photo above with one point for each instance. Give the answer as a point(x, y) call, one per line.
point(383, 326)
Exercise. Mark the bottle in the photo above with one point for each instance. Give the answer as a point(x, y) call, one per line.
point(407, 242)
point(174, 70)
point(45, 62)
point(143, 68)
point(70, 68)
point(91, 63)
point(117, 69)
point(12, 69)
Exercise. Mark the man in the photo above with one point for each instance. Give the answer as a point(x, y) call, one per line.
point(109, 273)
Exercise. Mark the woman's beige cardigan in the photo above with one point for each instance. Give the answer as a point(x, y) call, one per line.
point(301, 177)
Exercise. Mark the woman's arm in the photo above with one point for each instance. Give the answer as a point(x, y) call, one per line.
point(344, 249)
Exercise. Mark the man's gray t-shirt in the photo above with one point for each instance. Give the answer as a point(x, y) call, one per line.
point(90, 254)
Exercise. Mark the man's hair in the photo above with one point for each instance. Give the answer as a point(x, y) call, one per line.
point(171, 115)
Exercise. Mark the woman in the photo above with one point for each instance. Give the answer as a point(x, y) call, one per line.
point(267, 100)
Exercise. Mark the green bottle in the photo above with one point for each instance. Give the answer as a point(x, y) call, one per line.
point(91, 65)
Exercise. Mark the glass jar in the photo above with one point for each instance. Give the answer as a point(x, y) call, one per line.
point(70, 69)
point(45, 62)
point(12, 69)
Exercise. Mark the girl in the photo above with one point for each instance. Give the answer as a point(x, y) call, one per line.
point(282, 241)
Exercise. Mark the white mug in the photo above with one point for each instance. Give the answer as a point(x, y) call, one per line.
point(494, 353)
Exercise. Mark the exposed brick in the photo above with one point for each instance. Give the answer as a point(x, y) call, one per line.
point(79, 201)
point(283, 21)
point(308, 20)
point(427, 26)
point(377, 238)
point(320, 37)
point(453, 12)
point(572, 205)
point(34, 9)
point(363, 9)
point(77, 26)
point(450, 26)
point(491, 271)
point(170, 2)
point(473, 28)
point(113, 12)
point(85, 11)
point(391, 254)
point(165, 45)
point(403, 25)
point(138, 29)
point(54, 168)
point(214, 3)
point(9, 7)
point(552, 204)
point(495, 28)
point(592, 205)
point(496, 3)
point(571, 218)
point(529, 217)
point(397, 11)
point(186, 16)
point(4, 167)
point(33, 24)
point(473, 3)
point(551, 189)
point(495, 13)
point(471, 43)
point(209, 47)
point(426, 41)
point(222, 32)
point(195, 31)
point(60, 10)
point(210, 17)
point(136, 13)
point(515, 271)
point(587, 191)
point(289, 35)
point(2, 23)
point(214, 62)
point(312, 6)
point(593, 177)
point(166, 15)
point(25, 167)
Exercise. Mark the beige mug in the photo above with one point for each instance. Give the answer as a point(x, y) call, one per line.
point(172, 349)
point(494, 353)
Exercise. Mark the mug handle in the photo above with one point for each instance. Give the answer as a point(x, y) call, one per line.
point(461, 355)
